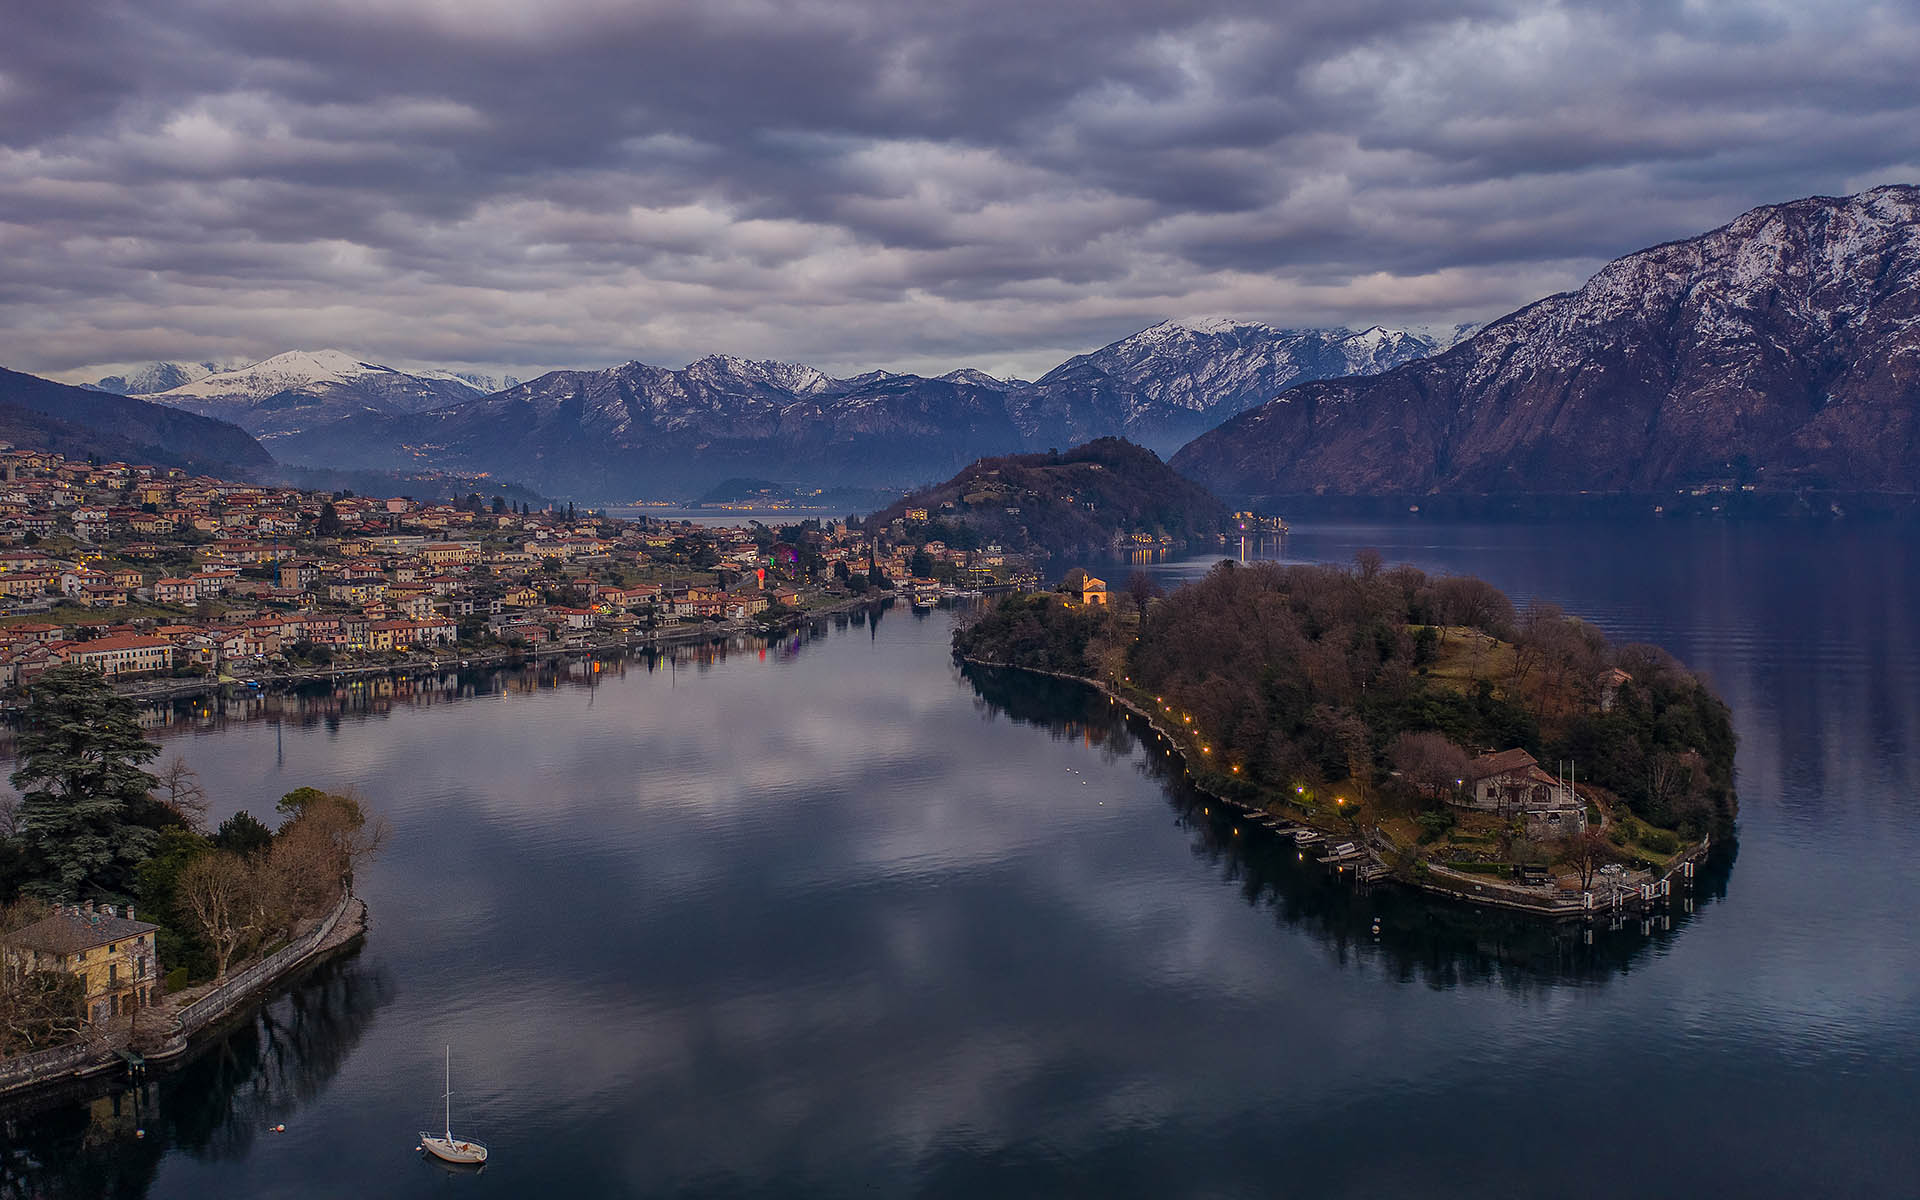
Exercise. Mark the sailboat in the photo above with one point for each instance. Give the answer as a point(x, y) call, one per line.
point(447, 1148)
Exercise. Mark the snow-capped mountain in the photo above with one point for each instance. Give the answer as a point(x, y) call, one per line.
point(1169, 382)
point(636, 429)
point(148, 378)
point(982, 379)
point(301, 390)
point(1781, 351)
point(480, 382)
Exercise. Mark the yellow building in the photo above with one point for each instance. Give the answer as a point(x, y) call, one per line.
point(1092, 591)
point(112, 955)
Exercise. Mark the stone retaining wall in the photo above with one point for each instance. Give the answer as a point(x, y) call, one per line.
point(192, 1018)
point(97, 1054)
point(23, 1069)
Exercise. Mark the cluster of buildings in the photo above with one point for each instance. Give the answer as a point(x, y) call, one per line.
point(143, 570)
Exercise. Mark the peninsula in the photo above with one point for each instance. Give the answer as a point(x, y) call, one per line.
point(126, 924)
point(1421, 727)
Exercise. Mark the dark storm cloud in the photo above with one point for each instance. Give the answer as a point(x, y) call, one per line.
point(498, 182)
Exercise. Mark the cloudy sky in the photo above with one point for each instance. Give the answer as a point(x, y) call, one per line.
point(859, 183)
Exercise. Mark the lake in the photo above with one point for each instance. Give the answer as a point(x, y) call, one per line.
point(828, 916)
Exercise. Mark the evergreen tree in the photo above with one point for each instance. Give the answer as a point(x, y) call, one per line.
point(242, 834)
point(87, 819)
point(329, 523)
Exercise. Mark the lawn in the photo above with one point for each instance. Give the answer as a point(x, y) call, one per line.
point(1466, 656)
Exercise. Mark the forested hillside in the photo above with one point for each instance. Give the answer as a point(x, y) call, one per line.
point(1301, 676)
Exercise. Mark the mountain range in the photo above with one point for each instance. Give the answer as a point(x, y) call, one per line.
point(1779, 352)
point(291, 393)
point(640, 430)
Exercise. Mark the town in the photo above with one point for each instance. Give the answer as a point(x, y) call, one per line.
point(146, 572)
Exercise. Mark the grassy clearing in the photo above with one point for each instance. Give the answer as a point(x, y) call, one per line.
point(1466, 656)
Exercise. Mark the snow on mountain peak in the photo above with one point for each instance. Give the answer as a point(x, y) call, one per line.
point(977, 378)
point(282, 372)
point(1212, 325)
point(797, 378)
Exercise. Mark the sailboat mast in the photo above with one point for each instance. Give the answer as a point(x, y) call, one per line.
point(448, 1095)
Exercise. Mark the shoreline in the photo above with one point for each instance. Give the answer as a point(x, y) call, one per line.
point(214, 1009)
point(157, 690)
point(1370, 866)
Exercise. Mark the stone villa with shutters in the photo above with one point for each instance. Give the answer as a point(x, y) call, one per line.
point(112, 955)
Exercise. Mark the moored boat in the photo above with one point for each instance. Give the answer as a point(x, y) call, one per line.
point(447, 1148)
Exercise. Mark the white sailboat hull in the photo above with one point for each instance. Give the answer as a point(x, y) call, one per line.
point(453, 1149)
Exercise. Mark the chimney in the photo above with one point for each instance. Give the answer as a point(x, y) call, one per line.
point(129, 912)
point(89, 908)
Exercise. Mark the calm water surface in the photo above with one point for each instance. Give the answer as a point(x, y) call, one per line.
point(828, 917)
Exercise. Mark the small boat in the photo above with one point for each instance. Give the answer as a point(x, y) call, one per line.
point(461, 1151)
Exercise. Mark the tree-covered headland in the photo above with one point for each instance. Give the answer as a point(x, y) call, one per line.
point(1358, 697)
point(1094, 499)
point(93, 825)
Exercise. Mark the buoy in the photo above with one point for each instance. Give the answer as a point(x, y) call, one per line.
point(279, 1128)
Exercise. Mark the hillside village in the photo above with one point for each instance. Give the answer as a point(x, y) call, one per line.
point(145, 571)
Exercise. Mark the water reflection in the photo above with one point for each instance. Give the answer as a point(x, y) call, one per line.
point(332, 702)
point(1413, 936)
point(106, 1138)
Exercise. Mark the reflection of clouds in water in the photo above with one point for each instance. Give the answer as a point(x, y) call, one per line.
point(1806, 630)
point(850, 922)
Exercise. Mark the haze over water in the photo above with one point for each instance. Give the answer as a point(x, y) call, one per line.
point(837, 919)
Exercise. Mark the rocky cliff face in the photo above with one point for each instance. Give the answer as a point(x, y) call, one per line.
point(1779, 352)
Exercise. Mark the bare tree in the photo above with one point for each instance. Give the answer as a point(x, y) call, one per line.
point(1429, 761)
point(38, 1009)
point(177, 786)
point(226, 896)
point(327, 838)
point(1463, 600)
point(1586, 853)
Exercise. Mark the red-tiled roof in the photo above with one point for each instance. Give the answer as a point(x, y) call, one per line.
point(1504, 763)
